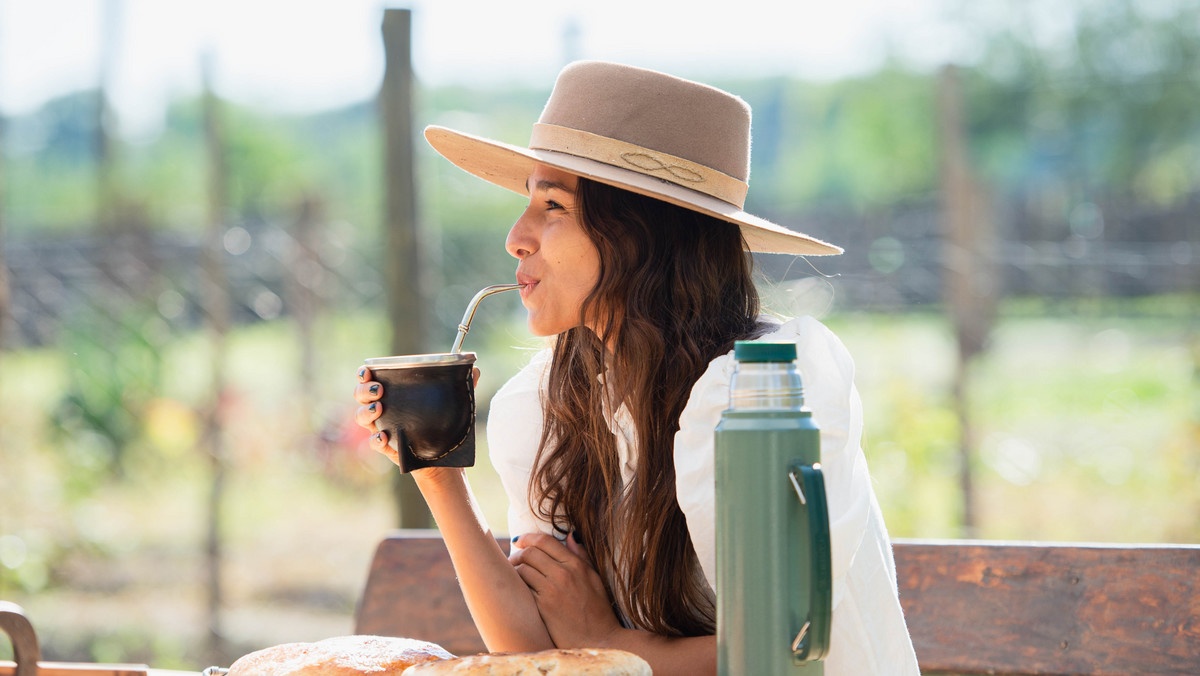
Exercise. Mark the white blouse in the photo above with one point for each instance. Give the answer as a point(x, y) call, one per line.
point(868, 634)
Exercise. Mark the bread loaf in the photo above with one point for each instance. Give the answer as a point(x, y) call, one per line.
point(585, 662)
point(340, 656)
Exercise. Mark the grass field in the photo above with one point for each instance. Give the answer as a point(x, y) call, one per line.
point(1087, 425)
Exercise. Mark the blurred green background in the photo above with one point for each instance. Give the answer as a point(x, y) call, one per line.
point(1073, 369)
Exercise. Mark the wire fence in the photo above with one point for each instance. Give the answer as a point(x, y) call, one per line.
point(893, 261)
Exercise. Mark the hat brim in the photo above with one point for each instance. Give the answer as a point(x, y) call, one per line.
point(509, 167)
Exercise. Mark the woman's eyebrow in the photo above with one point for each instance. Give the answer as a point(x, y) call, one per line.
point(548, 185)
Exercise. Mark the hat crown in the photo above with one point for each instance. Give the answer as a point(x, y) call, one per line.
point(650, 133)
point(655, 111)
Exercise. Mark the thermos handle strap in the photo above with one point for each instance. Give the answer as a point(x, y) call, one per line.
point(812, 640)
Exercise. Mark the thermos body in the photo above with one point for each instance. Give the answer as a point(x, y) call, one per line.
point(772, 523)
point(762, 593)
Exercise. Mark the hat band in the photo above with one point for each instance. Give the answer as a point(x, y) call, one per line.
point(641, 160)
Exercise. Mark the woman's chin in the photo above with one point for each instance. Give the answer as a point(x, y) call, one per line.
point(537, 329)
point(543, 329)
point(543, 333)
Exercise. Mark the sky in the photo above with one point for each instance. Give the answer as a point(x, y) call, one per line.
point(305, 55)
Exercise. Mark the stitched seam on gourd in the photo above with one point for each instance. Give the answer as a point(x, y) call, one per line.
point(466, 434)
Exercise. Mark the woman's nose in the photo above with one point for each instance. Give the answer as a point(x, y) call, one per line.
point(520, 241)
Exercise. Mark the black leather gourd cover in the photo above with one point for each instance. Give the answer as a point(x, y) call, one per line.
point(429, 415)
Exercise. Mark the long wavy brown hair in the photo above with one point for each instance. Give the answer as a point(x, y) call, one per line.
point(675, 291)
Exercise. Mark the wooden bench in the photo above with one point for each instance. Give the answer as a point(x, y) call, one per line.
point(973, 607)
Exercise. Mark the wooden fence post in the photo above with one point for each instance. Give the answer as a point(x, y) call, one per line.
point(214, 294)
point(108, 189)
point(5, 295)
point(967, 277)
point(402, 260)
point(301, 296)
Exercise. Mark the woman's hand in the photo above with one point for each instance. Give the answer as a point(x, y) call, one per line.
point(369, 394)
point(569, 593)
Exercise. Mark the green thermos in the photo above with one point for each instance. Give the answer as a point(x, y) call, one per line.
point(774, 583)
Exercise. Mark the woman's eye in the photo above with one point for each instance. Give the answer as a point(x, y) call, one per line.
point(552, 205)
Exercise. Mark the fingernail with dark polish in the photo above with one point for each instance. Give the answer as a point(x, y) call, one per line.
point(362, 372)
point(516, 537)
point(374, 389)
point(373, 407)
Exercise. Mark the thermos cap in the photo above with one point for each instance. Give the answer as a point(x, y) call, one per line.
point(759, 351)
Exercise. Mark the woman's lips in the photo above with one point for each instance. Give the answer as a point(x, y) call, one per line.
point(528, 284)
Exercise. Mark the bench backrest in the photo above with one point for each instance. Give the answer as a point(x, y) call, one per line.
point(1042, 608)
point(412, 592)
point(971, 606)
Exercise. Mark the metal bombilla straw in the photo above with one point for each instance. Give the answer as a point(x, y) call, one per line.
point(465, 324)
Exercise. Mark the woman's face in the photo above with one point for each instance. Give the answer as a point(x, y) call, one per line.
point(559, 265)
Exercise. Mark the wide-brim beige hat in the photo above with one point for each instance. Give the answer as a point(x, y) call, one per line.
point(655, 134)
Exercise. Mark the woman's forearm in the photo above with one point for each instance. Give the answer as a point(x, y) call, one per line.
point(500, 603)
point(688, 656)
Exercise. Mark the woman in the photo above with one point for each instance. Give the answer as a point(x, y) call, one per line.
point(632, 253)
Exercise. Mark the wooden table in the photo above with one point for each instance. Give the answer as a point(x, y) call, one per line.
point(78, 669)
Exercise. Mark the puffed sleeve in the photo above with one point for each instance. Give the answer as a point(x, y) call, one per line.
point(514, 431)
point(827, 372)
point(695, 483)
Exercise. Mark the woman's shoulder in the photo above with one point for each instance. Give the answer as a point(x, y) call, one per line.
point(529, 380)
point(808, 333)
point(805, 329)
point(818, 350)
point(514, 421)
